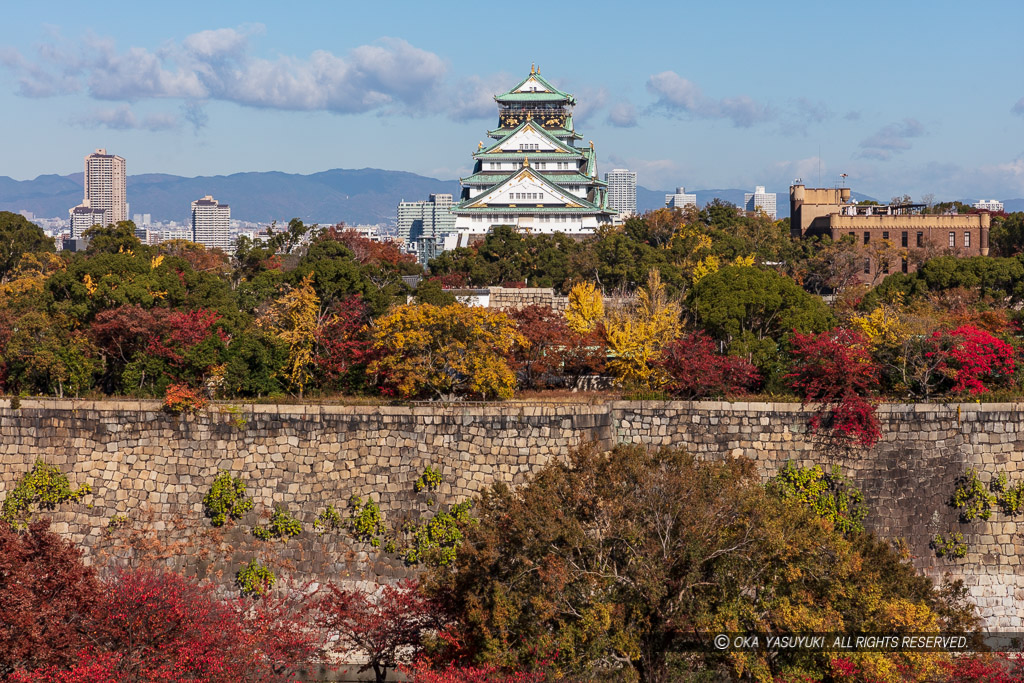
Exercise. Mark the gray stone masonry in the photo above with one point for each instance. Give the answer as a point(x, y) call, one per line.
point(154, 469)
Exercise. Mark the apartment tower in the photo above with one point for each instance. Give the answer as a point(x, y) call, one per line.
point(211, 223)
point(105, 185)
point(622, 191)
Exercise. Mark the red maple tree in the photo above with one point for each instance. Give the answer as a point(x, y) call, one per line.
point(698, 370)
point(343, 343)
point(387, 626)
point(834, 369)
point(47, 599)
point(60, 624)
point(971, 359)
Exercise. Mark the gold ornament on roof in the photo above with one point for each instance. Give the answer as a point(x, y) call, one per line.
point(526, 162)
point(533, 69)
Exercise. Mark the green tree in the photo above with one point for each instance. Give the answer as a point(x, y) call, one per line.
point(751, 311)
point(19, 236)
point(112, 239)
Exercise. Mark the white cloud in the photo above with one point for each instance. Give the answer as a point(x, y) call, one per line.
point(681, 96)
point(123, 118)
point(390, 74)
point(623, 115)
point(891, 139)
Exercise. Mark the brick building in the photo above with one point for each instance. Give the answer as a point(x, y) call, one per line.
point(829, 211)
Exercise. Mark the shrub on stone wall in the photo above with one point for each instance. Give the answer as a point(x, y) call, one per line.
point(282, 525)
point(829, 494)
point(226, 499)
point(255, 579)
point(44, 486)
point(971, 497)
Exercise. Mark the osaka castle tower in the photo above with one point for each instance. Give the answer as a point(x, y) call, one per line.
point(533, 177)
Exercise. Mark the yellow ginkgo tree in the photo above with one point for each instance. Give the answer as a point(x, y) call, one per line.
point(586, 308)
point(445, 351)
point(295, 319)
point(637, 334)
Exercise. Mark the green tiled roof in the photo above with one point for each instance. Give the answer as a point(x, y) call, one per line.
point(519, 97)
point(537, 127)
point(544, 181)
point(542, 156)
point(554, 95)
point(566, 179)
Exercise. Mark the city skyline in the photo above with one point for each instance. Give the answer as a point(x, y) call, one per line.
point(226, 90)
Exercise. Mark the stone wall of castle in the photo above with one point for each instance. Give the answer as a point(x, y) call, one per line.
point(149, 472)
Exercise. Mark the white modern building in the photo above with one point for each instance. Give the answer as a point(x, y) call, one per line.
point(680, 200)
point(760, 200)
point(989, 205)
point(622, 191)
point(425, 220)
point(533, 176)
point(423, 226)
point(211, 223)
point(83, 217)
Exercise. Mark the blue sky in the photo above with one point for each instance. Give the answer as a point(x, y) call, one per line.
point(904, 97)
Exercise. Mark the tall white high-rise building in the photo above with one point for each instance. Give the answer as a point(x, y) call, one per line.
point(105, 185)
point(429, 220)
point(989, 205)
point(622, 191)
point(680, 199)
point(211, 223)
point(759, 199)
point(105, 200)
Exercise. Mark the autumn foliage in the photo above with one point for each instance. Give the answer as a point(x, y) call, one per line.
point(835, 370)
point(556, 353)
point(445, 352)
point(696, 369)
point(387, 627)
point(972, 360)
point(61, 623)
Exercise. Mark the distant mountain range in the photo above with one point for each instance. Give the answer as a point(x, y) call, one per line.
point(355, 196)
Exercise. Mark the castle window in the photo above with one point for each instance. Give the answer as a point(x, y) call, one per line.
point(867, 237)
point(885, 235)
point(967, 239)
point(905, 264)
point(903, 241)
point(867, 266)
point(952, 239)
point(920, 239)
